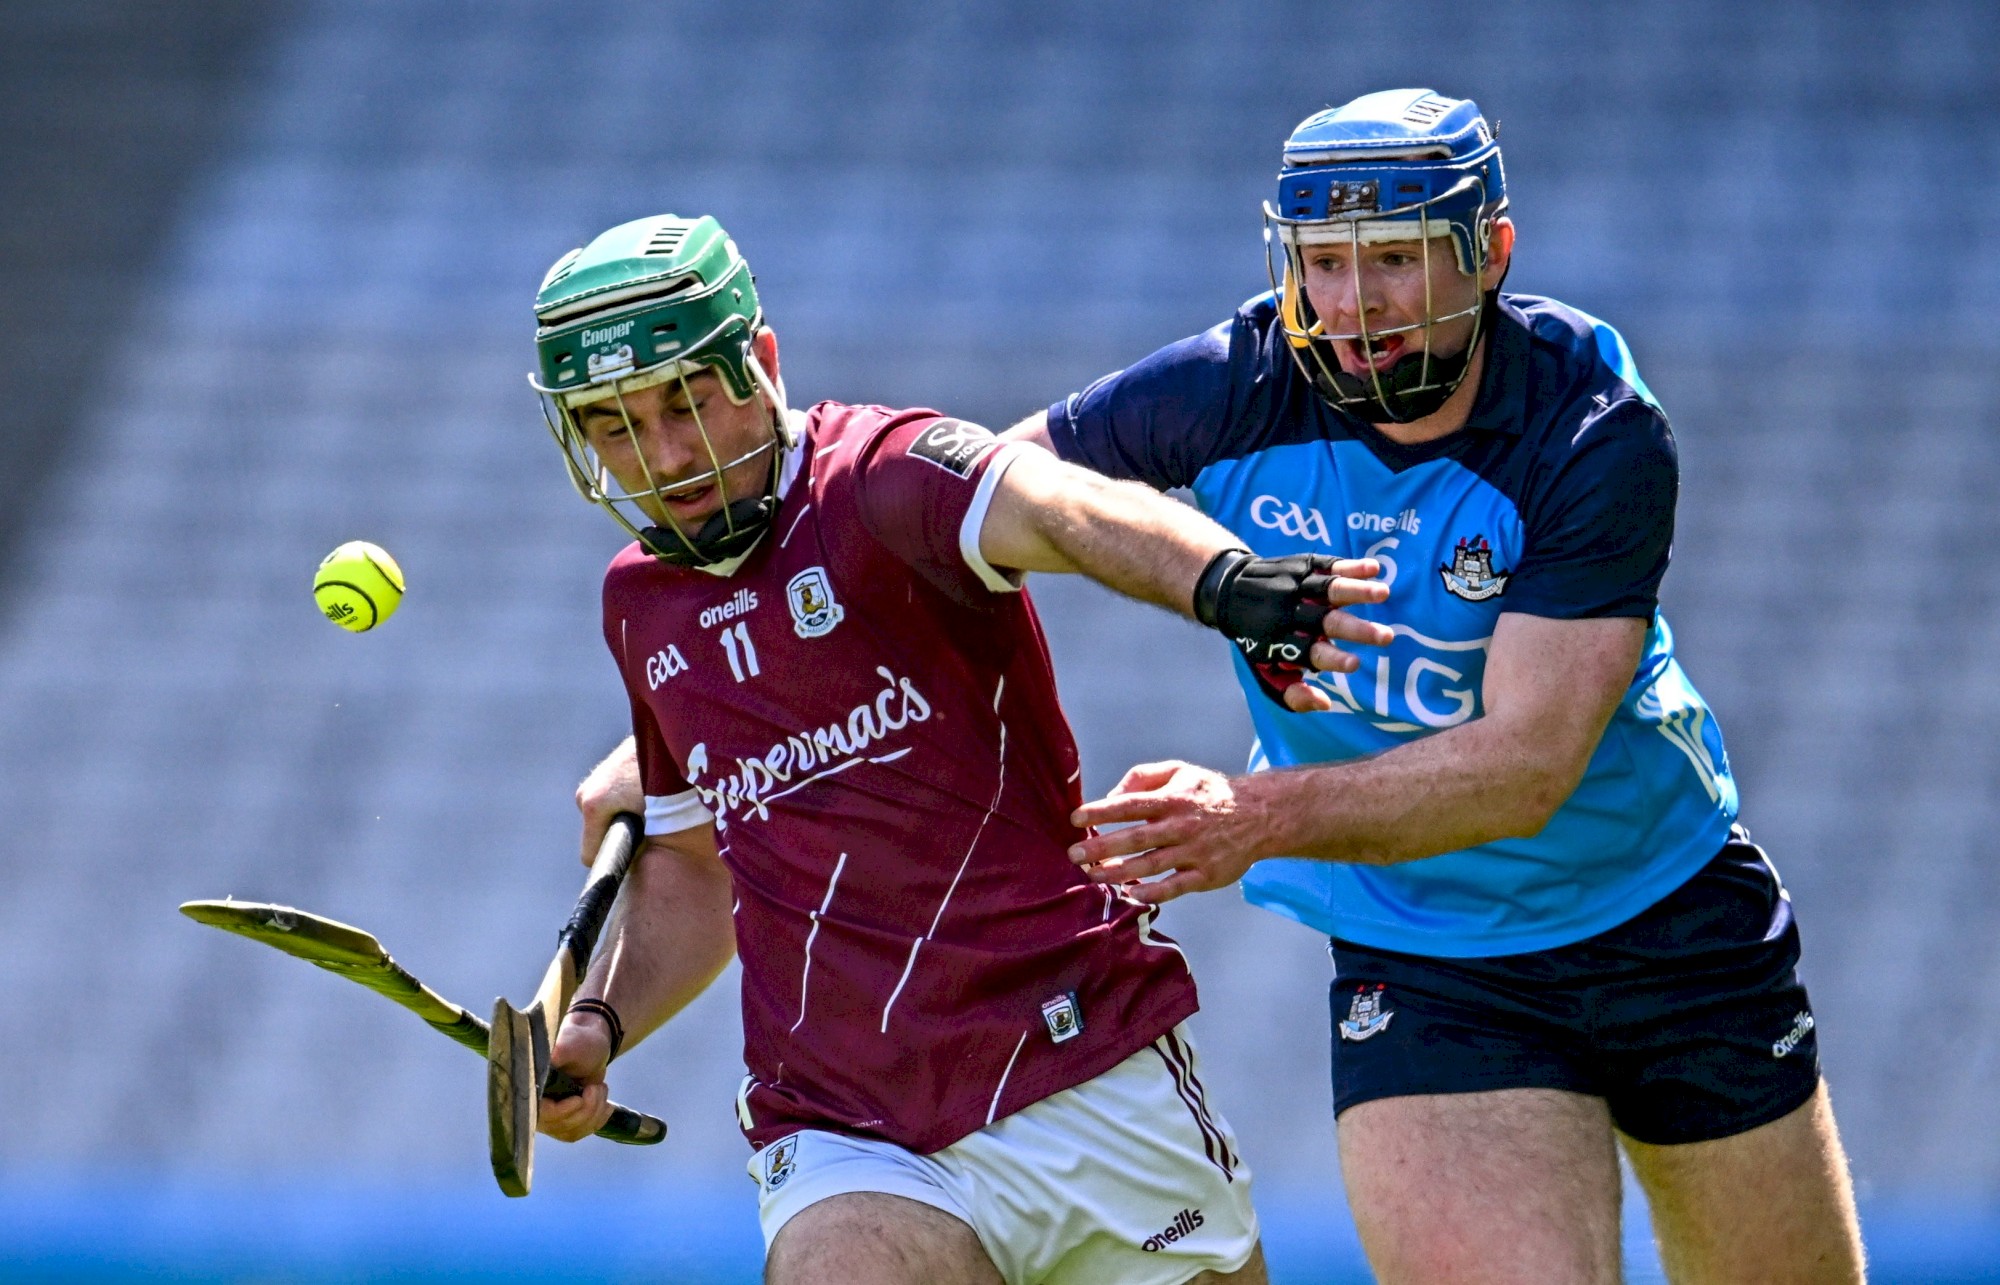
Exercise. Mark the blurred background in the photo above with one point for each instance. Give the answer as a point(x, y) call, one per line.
point(267, 270)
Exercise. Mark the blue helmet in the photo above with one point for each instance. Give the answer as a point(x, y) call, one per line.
point(1399, 165)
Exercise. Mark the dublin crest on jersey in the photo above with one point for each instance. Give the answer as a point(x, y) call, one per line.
point(1366, 1017)
point(810, 596)
point(1470, 574)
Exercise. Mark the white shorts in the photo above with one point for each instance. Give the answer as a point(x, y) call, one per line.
point(1129, 1177)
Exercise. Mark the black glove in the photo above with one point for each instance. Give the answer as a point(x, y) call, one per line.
point(1273, 609)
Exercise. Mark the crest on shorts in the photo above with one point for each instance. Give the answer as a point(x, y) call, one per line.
point(810, 596)
point(1064, 1017)
point(1366, 1018)
point(1471, 575)
point(781, 1162)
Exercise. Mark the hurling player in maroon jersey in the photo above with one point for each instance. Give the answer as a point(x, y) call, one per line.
point(965, 1059)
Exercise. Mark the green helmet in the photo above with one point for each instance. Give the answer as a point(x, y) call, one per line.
point(653, 300)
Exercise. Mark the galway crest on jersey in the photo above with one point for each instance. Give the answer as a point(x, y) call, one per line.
point(810, 596)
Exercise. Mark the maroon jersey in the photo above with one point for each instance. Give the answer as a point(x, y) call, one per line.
point(865, 710)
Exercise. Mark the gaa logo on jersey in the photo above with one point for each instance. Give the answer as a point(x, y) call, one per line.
point(1471, 575)
point(781, 1162)
point(810, 596)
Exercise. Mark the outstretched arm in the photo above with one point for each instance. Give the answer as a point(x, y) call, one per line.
point(1050, 516)
point(1551, 687)
point(672, 935)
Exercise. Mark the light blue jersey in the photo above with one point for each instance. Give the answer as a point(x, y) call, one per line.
point(1556, 500)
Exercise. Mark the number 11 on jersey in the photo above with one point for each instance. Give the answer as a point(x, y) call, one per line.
point(741, 651)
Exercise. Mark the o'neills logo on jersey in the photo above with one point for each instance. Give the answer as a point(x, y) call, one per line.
point(1183, 1225)
point(744, 602)
point(753, 784)
point(1386, 523)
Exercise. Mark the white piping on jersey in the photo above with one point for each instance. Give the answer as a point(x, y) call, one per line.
point(743, 1102)
point(975, 519)
point(1145, 923)
point(805, 976)
point(1074, 775)
point(994, 1108)
point(794, 526)
point(1683, 730)
point(999, 787)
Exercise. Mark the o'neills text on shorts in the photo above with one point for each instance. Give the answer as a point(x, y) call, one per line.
point(1183, 1224)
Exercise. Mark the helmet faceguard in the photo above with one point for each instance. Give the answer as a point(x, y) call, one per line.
point(1404, 165)
point(653, 302)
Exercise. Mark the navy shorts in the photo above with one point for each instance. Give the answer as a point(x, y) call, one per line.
point(1689, 1021)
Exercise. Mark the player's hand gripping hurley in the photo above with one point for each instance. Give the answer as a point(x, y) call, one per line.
point(518, 1071)
point(351, 953)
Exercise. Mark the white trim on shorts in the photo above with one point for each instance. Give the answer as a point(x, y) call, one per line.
point(1130, 1177)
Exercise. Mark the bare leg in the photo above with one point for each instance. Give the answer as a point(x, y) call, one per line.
point(1496, 1188)
point(1767, 1207)
point(1251, 1273)
point(867, 1238)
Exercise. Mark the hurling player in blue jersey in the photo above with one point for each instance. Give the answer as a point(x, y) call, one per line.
point(1515, 820)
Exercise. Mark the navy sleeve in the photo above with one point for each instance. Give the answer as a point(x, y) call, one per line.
point(1156, 422)
point(1600, 531)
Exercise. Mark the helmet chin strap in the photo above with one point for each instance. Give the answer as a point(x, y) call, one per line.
point(1410, 389)
point(727, 533)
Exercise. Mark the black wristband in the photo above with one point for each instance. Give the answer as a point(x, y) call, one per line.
point(1208, 588)
point(611, 1022)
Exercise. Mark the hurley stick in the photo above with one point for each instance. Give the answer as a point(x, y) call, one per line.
point(356, 955)
point(517, 1057)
